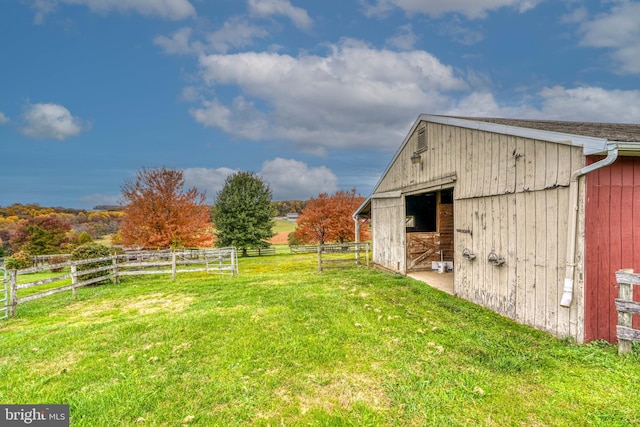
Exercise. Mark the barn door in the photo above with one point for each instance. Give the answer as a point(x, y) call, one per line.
point(429, 229)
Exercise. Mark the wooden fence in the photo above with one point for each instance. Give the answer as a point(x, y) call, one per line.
point(627, 307)
point(342, 255)
point(218, 261)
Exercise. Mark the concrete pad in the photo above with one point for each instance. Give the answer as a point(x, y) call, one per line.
point(441, 281)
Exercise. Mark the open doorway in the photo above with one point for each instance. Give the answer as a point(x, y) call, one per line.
point(429, 228)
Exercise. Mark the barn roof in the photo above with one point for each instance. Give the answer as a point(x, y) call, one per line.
point(594, 138)
point(612, 131)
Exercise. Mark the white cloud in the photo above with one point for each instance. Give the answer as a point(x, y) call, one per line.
point(405, 39)
point(51, 121)
point(619, 31)
point(472, 9)
point(3, 119)
point(288, 179)
point(234, 33)
point(294, 180)
point(179, 43)
point(167, 9)
point(591, 104)
point(353, 96)
point(298, 16)
point(209, 181)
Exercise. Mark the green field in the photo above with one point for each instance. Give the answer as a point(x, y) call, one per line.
point(284, 225)
point(284, 345)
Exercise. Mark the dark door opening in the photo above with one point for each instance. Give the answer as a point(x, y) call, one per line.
point(429, 228)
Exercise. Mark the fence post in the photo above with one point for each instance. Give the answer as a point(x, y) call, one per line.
point(320, 257)
point(367, 253)
point(74, 279)
point(114, 262)
point(173, 266)
point(625, 293)
point(13, 305)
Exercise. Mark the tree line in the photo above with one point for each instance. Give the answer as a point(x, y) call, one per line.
point(158, 212)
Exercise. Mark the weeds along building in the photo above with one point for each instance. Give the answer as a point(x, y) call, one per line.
point(534, 217)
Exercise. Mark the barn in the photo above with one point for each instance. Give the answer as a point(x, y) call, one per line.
point(532, 217)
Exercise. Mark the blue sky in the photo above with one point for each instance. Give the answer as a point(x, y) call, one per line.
point(315, 96)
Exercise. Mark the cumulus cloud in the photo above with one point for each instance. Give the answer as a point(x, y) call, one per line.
point(405, 39)
point(591, 104)
point(294, 180)
point(348, 98)
point(206, 180)
point(298, 16)
point(3, 119)
point(51, 121)
point(288, 179)
point(167, 9)
point(235, 33)
point(618, 31)
point(471, 9)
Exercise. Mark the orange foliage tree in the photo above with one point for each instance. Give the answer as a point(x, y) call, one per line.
point(159, 214)
point(329, 218)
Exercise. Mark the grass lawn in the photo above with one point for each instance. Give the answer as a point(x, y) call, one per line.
point(285, 345)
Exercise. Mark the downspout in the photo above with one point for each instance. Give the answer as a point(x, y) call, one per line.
point(612, 155)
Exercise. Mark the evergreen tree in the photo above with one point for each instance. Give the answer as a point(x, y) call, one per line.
point(243, 213)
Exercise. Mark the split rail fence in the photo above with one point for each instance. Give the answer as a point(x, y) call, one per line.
point(342, 255)
point(627, 307)
point(213, 261)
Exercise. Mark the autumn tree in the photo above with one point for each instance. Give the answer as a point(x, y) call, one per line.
point(243, 213)
point(329, 218)
point(160, 214)
point(41, 235)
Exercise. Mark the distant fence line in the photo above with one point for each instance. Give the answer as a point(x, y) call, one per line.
point(217, 261)
point(342, 255)
point(627, 307)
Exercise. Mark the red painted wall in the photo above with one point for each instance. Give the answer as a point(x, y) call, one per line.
point(612, 241)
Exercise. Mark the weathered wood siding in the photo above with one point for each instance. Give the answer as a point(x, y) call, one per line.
point(511, 198)
point(612, 241)
point(388, 226)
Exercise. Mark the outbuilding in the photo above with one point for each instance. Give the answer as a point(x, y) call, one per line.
point(533, 217)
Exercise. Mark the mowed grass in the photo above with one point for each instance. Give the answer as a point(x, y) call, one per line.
point(285, 345)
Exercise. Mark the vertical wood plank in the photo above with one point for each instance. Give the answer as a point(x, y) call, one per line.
point(604, 199)
point(563, 314)
point(531, 283)
point(530, 165)
point(564, 165)
point(496, 164)
point(505, 164)
point(592, 254)
point(522, 231)
point(486, 156)
point(540, 257)
point(552, 269)
point(540, 164)
point(512, 254)
point(510, 184)
point(520, 164)
point(551, 165)
point(615, 241)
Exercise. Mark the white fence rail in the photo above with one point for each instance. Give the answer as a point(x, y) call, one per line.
point(213, 261)
point(627, 307)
